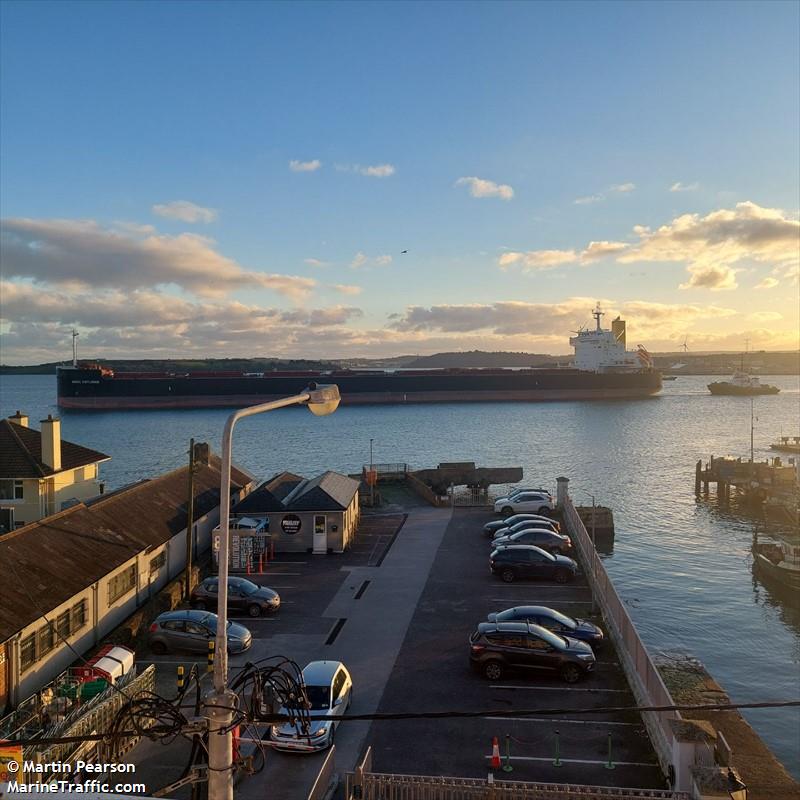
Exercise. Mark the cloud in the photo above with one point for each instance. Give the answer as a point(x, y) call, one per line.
point(362, 260)
point(480, 187)
point(615, 188)
point(348, 289)
point(185, 211)
point(767, 283)
point(712, 245)
point(764, 316)
point(684, 187)
point(305, 166)
point(83, 253)
point(589, 199)
point(382, 261)
point(622, 188)
point(597, 250)
point(373, 171)
point(315, 262)
point(358, 260)
point(537, 259)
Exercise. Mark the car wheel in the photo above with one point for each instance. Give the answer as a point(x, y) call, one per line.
point(507, 575)
point(159, 648)
point(508, 511)
point(493, 670)
point(571, 673)
point(254, 610)
point(199, 605)
point(562, 576)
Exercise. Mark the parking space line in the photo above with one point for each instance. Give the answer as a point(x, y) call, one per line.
point(288, 562)
point(560, 721)
point(582, 761)
point(536, 688)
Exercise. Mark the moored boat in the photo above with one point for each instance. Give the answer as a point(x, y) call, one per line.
point(779, 562)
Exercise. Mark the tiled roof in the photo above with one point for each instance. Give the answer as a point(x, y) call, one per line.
point(46, 563)
point(21, 453)
point(330, 491)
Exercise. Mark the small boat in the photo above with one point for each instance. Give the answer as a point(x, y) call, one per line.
point(786, 444)
point(742, 384)
point(668, 377)
point(779, 562)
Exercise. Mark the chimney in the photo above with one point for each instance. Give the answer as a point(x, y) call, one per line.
point(20, 418)
point(51, 442)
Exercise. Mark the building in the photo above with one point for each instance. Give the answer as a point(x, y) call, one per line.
point(71, 578)
point(40, 472)
point(301, 516)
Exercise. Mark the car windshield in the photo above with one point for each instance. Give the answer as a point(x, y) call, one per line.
point(563, 619)
point(552, 638)
point(247, 588)
point(319, 696)
point(210, 622)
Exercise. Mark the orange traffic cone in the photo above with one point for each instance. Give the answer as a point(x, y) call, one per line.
point(495, 763)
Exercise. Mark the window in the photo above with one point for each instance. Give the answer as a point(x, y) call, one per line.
point(27, 652)
point(78, 616)
point(11, 490)
point(174, 625)
point(507, 640)
point(158, 562)
point(121, 583)
point(538, 644)
point(63, 628)
point(338, 683)
point(45, 639)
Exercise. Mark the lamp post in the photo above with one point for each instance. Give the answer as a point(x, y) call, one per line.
point(220, 702)
point(737, 788)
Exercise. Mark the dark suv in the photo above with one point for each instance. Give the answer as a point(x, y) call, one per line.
point(528, 561)
point(499, 647)
point(551, 541)
point(243, 596)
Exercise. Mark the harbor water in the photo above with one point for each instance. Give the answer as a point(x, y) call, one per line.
point(683, 566)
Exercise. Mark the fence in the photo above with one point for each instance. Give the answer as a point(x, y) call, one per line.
point(643, 676)
point(326, 777)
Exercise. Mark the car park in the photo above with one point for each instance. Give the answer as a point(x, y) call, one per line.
point(496, 648)
point(244, 596)
point(191, 630)
point(490, 528)
point(524, 525)
point(528, 561)
point(329, 689)
point(554, 621)
point(550, 541)
point(534, 502)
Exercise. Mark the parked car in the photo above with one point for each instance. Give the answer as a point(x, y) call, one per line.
point(529, 561)
point(243, 596)
point(524, 525)
point(499, 647)
point(490, 528)
point(535, 502)
point(554, 621)
point(550, 541)
point(191, 630)
point(329, 689)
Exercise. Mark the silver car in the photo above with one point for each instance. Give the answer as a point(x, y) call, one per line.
point(191, 630)
point(329, 689)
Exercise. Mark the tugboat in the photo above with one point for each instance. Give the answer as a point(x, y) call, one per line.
point(787, 445)
point(742, 383)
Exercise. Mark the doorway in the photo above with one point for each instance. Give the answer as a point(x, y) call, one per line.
point(320, 534)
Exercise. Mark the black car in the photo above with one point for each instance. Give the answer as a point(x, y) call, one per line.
point(491, 528)
point(498, 647)
point(243, 596)
point(529, 561)
point(551, 541)
point(554, 621)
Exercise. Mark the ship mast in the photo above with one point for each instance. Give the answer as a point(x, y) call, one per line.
point(75, 336)
point(597, 313)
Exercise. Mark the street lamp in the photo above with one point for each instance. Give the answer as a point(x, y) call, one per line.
point(220, 702)
point(737, 788)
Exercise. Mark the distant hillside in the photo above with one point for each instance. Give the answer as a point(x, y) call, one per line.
point(184, 365)
point(481, 358)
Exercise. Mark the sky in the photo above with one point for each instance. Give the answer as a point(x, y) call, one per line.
point(326, 180)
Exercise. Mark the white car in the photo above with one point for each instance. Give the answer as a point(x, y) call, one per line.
point(537, 502)
point(329, 689)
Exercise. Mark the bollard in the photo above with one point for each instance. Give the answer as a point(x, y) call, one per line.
point(557, 760)
point(260, 563)
point(211, 645)
point(180, 676)
point(507, 766)
point(610, 763)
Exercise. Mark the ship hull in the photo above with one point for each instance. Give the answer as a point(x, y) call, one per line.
point(90, 390)
point(741, 391)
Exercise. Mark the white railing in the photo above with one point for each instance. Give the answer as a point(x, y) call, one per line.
point(643, 676)
point(325, 778)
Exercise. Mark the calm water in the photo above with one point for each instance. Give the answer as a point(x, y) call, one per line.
point(683, 567)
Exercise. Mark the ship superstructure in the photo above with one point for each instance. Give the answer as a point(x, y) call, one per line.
point(602, 350)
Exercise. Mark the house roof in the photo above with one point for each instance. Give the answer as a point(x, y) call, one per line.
point(46, 563)
point(21, 453)
point(289, 492)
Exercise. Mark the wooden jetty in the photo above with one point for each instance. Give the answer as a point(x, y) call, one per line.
point(757, 481)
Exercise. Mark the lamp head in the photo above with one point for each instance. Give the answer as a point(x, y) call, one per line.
point(737, 788)
point(323, 398)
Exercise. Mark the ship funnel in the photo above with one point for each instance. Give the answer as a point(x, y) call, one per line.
point(618, 329)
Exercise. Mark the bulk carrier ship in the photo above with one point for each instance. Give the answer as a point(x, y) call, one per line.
point(602, 369)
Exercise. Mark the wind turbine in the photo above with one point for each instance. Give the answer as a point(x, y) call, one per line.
point(685, 346)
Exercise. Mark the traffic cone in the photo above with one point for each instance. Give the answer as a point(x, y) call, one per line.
point(495, 763)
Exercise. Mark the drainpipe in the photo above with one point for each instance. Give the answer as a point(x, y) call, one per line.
point(96, 612)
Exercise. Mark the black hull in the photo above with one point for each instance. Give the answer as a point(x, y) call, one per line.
point(740, 391)
point(90, 389)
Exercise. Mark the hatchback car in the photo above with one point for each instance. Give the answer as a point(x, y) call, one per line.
point(534, 502)
point(329, 689)
point(524, 525)
point(490, 528)
point(499, 647)
point(191, 630)
point(550, 541)
point(529, 561)
point(243, 596)
point(554, 621)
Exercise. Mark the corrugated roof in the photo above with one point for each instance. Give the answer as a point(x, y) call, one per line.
point(21, 453)
point(47, 562)
point(330, 491)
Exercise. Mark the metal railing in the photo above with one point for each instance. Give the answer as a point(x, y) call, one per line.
point(326, 776)
point(388, 469)
point(642, 673)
